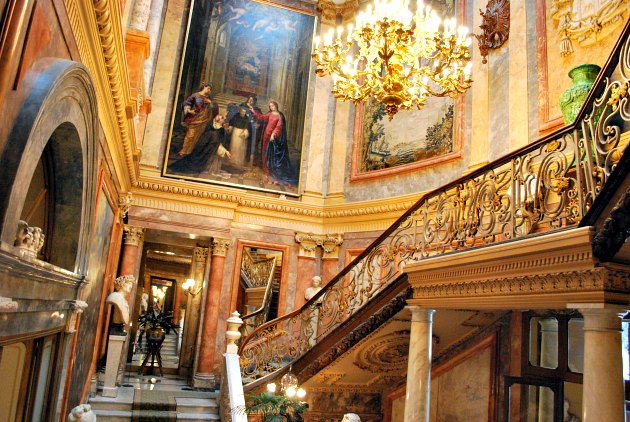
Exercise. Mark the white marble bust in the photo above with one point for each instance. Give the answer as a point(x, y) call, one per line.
point(316, 286)
point(144, 302)
point(122, 286)
point(351, 417)
point(82, 413)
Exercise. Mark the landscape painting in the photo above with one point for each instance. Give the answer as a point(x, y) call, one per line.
point(413, 139)
point(239, 114)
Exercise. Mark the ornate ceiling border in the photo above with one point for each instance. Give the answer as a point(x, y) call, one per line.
point(153, 191)
point(96, 26)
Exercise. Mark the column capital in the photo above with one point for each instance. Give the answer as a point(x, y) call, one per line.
point(133, 235)
point(200, 255)
point(330, 244)
point(124, 203)
point(308, 243)
point(220, 246)
point(600, 316)
point(419, 314)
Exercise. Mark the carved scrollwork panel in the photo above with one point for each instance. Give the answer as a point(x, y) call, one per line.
point(495, 27)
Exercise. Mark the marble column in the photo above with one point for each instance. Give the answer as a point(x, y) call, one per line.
point(603, 384)
point(177, 301)
point(417, 396)
point(131, 257)
point(307, 260)
point(548, 359)
point(193, 306)
point(207, 375)
point(132, 248)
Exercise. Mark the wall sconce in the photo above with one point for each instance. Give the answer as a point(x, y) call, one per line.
point(495, 27)
point(189, 286)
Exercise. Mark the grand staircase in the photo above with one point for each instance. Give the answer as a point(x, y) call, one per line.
point(564, 180)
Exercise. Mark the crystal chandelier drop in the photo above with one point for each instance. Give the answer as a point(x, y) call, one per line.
point(396, 57)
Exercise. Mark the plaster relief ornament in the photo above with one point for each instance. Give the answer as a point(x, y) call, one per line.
point(586, 21)
point(30, 240)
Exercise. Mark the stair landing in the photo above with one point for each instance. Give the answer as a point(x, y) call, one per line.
point(156, 399)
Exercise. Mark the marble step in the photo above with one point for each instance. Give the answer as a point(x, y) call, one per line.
point(122, 402)
point(190, 405)
point(113, 415)
point(185, 417)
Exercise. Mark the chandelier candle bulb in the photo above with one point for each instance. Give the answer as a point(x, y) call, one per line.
point(396, 57)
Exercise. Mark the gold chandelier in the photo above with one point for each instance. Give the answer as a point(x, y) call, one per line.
point(396, 57)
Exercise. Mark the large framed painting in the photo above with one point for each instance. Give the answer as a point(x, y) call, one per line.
point(414, 138)
point(239, 112)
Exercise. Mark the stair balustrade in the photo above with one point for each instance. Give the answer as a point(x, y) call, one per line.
point(258, 317)
point(550, 184)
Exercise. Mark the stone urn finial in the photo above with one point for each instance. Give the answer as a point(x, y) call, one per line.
point(233, 334)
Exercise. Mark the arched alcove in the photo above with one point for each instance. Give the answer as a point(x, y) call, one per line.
point(59, 116)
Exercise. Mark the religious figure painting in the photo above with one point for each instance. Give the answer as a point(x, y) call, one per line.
point(413, 139)
point(239, 115)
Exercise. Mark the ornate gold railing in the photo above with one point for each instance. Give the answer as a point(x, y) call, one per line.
point(258, 317)
point(257, 272)
point(547, 185)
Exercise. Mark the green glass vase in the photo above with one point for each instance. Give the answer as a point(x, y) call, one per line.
point(572, 99)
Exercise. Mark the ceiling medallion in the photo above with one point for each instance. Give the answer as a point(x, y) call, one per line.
point(495, 27)
point(385, 354)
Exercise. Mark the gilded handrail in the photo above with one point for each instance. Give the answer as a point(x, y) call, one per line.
point(258, 317)
point(547, 185)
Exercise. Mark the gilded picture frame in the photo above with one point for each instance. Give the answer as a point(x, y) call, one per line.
point(239, 113)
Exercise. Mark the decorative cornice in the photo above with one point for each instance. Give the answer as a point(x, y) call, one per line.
point(598, 279)
point(109, 26)
point(220, 247)
point(133, 235)
point(615, 230)
point(96, 26)
point(153, 187)
point(359, 333)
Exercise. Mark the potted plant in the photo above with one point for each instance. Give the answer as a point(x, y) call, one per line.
point(269, 407)
point(155, 325)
